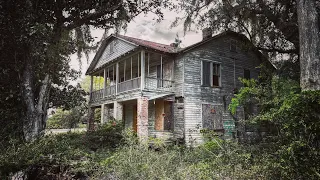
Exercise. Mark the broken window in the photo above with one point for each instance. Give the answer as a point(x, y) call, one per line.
point(210, 74)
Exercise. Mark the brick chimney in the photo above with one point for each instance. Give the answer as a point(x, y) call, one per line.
point(206, 33)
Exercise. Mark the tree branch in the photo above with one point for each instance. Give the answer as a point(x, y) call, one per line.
point(295, 51)
point(89, 17)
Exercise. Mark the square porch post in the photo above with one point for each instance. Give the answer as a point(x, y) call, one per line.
point(143, 71)
point(104, 82)
point(91, 87)
point(117, 77)
point(142, 118)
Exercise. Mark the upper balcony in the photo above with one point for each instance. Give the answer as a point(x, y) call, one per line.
point(139, 72)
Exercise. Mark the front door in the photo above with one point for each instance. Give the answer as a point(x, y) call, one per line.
point(135, 120)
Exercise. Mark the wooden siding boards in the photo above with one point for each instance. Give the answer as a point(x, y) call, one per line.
point(120, 48)
point(232, 67)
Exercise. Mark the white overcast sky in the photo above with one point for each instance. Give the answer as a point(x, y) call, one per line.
point(145, 27)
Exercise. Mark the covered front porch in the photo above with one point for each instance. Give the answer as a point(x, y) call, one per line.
point(146, 117)
point(139, 71)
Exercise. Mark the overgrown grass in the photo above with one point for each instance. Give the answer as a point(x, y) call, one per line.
point(111, 153)
point(70, 155)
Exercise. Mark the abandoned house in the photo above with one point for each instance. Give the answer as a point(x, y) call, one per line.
point(168, 92)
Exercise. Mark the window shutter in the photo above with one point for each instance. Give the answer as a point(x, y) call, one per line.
point(205, 73)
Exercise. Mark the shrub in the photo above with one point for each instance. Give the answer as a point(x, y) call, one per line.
point(70, 155)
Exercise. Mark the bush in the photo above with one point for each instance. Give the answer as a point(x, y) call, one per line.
point(292, 146)
point(71, 155)
point(64, 119)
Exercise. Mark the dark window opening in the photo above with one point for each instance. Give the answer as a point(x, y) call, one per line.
point(246, 74)
point(205, 73)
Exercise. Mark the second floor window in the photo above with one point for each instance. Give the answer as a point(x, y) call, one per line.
point(246, 74)
point(211, 74)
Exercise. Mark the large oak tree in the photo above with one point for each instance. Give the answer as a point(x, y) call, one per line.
point(37, 38)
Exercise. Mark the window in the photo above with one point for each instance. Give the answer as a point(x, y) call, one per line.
point(211, 74)
point(215, 74)
point(233, 46)
point(246, 74)
point(206, 73)
point(111, 47)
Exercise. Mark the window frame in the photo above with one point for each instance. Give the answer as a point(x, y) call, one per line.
point(111, 47)
point(211, 73)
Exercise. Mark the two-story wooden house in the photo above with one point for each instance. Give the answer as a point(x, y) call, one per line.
point(161, 91)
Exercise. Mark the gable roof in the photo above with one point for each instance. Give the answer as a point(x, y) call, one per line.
point(167, 48)
point(135, 41)
point(149, 44)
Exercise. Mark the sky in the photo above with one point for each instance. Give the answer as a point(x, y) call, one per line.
point(145, 26)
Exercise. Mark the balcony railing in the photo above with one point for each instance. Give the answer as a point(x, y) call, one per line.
point(151, 83)
point(96, 95)
point(159, 84)
point(129, 85)
point(110, 90)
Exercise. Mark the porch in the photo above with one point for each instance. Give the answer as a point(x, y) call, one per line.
point(148, 118)
point(141, 71)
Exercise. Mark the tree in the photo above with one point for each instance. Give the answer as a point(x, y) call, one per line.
point(272, 26)
point(37, 39)
point(309, 31)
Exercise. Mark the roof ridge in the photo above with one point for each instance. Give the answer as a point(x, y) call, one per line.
point(142, 39)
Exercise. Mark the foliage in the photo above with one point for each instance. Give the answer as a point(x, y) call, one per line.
point(292, 120)
point(270, 25)
point(71, 155)
point(97, 82)
point(216, 159)
point(64, 119)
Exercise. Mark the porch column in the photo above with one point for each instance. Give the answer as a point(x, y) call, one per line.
point(90, 122)
point(117, 110)
point(143, 71)
point(104, 81)
point(104, 113)
point(91, 87)
point(117, 76)
point(142, 118)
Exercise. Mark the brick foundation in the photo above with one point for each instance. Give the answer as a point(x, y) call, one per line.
point(142, 118)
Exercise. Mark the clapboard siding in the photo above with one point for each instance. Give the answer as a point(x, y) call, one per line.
point(120, 48)
point(232, 67)
point(178, 120)
point(178, 76)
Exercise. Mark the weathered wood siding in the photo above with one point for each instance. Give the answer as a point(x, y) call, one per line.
point(232, 67)
point(178, 75)
point(178, 120)
point(119, 49)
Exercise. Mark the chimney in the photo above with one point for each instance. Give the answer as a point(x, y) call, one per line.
point(206, 33)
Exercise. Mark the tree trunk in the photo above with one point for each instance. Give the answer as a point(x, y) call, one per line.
point(35, 116)
point(309, 37)
point(90, 122)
